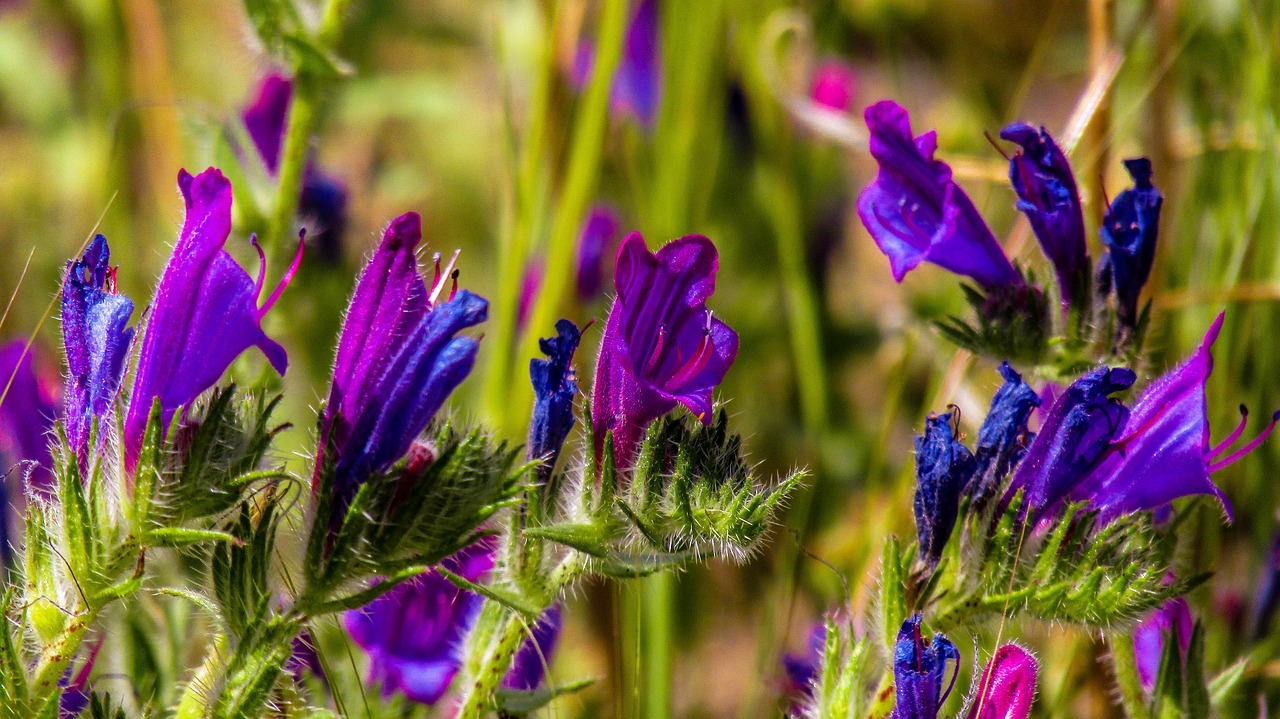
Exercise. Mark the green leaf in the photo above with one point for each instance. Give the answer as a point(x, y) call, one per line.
point(1224, 684)
point(517, 703)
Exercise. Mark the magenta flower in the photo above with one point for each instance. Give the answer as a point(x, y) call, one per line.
point(834, 85)
point(662, 347)
point(398, 360)
point(95, 341)
point(919, 669)
point(637, 83)
point(917, 213)
point(1007, 687)
point(1173, 618)
point(323, 198)
point(596, 240)
point(1047, 195)
point(204, 314)
point(413, 634)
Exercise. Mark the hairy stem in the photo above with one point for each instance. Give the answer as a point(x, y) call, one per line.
point(1125, 665)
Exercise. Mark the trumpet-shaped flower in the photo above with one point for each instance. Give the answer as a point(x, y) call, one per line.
point(919, 669)
point(398, 360)
point(1007, 687)
point(1129, 230)
point(943, 467)
point(95, 341)
point(662, 347)
point(917, 213)
point(1048, 196)
point(204, 314)
point(1003, 436)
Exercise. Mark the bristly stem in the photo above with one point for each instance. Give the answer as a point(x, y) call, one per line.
point(1125, 665)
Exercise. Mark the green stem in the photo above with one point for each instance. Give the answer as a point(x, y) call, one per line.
point(1125, 665)
point(581, 179)
point(503, 640)
point(657, 601)
point(53, 661)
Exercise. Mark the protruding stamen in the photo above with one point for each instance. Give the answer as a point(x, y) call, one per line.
point(262, 266)
point(656, 354)
point(1240, 453)
point(288, 275)
point(1231, 438)
point(453, 290)
point(110, 284)
point(438, 285)
point(435, 258)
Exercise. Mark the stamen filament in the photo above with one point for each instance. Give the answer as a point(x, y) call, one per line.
point(1240, 453)
point(1231, 438)
point(438, 285)
point(286, 279)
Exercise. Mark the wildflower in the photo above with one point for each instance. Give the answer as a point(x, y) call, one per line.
point(598, 236)
point(1007, 687)
point(833, 85)
point(1129, 230)
point(398, 359)
point(26, 416)
point(1171, 620)
point(637, 84)
point(1047, 195)
point(95, 341)
point(305, 659)
point(1073, 438)
point(413, 634)
point(204, 313)
point(1003, 435)
point(323, 198)
point(916, 212)
point(943, 467)
point(554, 387)
point(662, 346)
point(529, 667)
point(919, 670)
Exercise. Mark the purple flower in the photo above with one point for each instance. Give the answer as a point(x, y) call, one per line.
point(323, 198)
point(305, 659)
point(95, 341)
point(529, 667)
point(662, 347)
point(637, 84)
point(554, 388)
point(916, 212)
point(802, 670)
point(943, 468)
point(529, 286)
point(204, 314)
point(398, 359)
point(919, 670)
point(76, 691)
point(1007, 687)
point(599, 235)
point(27, 414)
point(833, 86)
point(1047, 195)
point(413, 634)
point(1003, 436)
point(1073, 439)
point(1149, 637)
point(1129, 230)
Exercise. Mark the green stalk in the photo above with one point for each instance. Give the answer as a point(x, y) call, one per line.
point(53, 661)
point(513, 249)
point(508, 635)
point(1125, 665)
point(581, 180)
point(657, 600)
point(303, 115)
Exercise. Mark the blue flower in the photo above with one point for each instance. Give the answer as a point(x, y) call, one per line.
point(95, 341)
point(554, 387)
point(1048, 196)
point(1129, 230)
point(1003, 436)
point(919, 670)
point(943, 467)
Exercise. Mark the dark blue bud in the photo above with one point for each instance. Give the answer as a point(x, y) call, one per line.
point(1129, 230)
point(919, 670)
point(554, 387)
point(943, 468)
point(1003, 437)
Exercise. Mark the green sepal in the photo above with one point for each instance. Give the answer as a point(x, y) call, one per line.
point(634, 566)
point(592, 539)
point(893, 596)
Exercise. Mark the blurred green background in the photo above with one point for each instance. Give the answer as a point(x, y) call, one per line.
point(463, 111)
